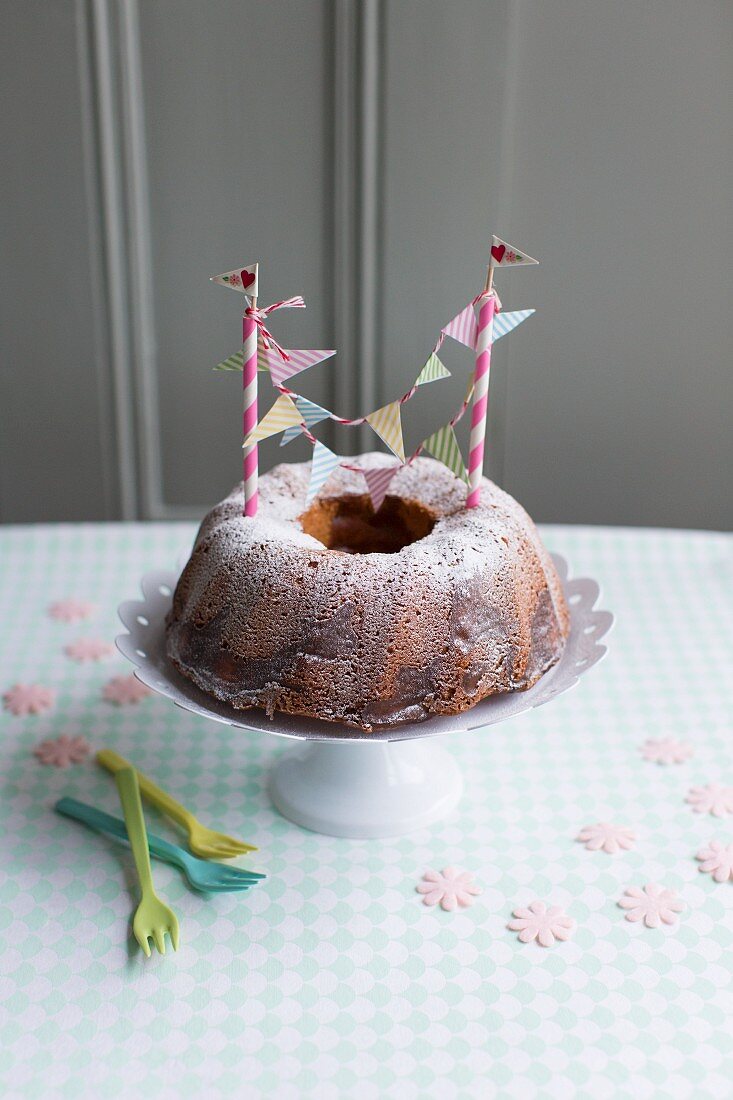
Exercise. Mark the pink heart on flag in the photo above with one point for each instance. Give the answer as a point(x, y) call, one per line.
point(497, 252)
point(248, 277)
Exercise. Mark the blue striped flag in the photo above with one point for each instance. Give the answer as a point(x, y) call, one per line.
point(323, 464)
point(311, 413)
point(504, 323)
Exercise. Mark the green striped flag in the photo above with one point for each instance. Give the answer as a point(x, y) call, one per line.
point(432, 371)
point(443, 445)
point(236, 361)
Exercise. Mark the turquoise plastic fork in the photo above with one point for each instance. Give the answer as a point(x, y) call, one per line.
point(203, 875)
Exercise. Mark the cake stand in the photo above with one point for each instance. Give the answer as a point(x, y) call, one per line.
point(342, 781)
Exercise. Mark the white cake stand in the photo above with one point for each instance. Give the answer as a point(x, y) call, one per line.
point(342, 781)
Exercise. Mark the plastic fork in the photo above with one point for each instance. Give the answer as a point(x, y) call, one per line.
point(208, 877)
point(152, 917)
point(203, 842)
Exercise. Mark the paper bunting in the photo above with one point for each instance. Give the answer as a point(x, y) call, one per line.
point(310, 414)
point(323, 464)
point(504, 323)
point(298, 360)
point(236, 361)
point(378, 481)
point(463, 327)
point(282, 414)
point(243, 279)
point(432, 371)
point(443, 445)
point(505, 255)
point(387, 423)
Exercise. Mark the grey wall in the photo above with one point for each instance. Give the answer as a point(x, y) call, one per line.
point(365, 153)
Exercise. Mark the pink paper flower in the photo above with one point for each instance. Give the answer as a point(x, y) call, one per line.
point(63, 751)
point(542, 924)
point(666, 751)
point(606, 838)
point(712, 799)
point(23, 699)
point(125, 690)
point(717, 860)
point(88, 649)
point(71, 611)
point(452, 888)
point(652, 903)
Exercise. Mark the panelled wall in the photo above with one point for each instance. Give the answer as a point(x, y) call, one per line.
point(364, 152)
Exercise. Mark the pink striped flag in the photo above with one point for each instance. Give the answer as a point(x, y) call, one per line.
point(463, 327)
point(378, 481)
point(298, 360)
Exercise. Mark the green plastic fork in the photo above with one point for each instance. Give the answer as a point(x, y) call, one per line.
point(152, 917)
point(203, 842)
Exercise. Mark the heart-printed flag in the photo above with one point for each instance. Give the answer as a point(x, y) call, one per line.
point(506, 255)
point(243, 279)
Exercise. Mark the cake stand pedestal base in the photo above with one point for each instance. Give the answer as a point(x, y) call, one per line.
point(357, 789)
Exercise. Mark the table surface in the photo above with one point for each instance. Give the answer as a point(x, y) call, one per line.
point(332, 979)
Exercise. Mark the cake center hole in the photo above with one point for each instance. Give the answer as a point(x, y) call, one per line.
point(350, 524)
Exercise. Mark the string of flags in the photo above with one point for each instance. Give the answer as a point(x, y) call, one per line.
point(293, 414)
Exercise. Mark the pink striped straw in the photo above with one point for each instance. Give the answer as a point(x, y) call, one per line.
point(249, 384)
point(484, 340)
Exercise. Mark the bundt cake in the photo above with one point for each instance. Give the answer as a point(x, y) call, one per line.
point(371, 620)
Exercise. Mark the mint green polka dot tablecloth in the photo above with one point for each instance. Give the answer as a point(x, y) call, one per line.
point(333, 979)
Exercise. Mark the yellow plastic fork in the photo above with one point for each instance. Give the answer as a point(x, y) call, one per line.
point(203, 842)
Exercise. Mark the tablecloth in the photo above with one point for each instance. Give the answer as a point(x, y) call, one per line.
point(332, 979)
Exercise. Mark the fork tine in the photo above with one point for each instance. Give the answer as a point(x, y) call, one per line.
point(143, 941)
point(173, 933)
point(159, 937)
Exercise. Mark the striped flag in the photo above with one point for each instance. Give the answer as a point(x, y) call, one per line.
point(378, 482)
point(504, 323)
point(310, 414)
point(323, 464)
point(298, 360)
point(387, 423)
point(431, 372)
point(463, 327)
point(505, 255)
point(243, 279)
point(236, 361)
point(443, 445)
point(282, 414)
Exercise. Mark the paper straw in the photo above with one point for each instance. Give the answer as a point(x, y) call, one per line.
point(249, 384)
point(484, 338)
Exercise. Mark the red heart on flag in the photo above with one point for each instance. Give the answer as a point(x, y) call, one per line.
point(248, 277)
point(497, 252)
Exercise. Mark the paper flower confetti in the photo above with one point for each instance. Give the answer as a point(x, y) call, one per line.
point(606, 838)
point(712, 799)
point(23, 699)
point(542, 924)
point(71, 611)
point(124, 690)
point(453, 888)
point(651, 904)
point(666, 751)
point(717, 860)
point(62, 751)
point(88, 649)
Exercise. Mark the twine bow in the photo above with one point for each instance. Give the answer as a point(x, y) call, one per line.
point(259, 316)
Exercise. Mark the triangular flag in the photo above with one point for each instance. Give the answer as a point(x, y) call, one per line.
point(504, 323)
point(322, 466)
point(432, 371)
point(506, 255)
point(310, 413)
point(387, 424)
point(463, 327)
point(243, 279)
point(282, 414)
point(236, 361)
point(443, 445)
point(378, 482)
point(298, 360)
